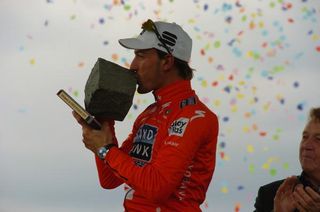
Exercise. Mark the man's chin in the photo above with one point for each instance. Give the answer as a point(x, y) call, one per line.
point(141, 90)
point(307, 165)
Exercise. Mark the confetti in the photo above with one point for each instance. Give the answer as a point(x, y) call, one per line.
point(300, 106)
point(101, 21)
point(222, 144)
point(251, 169)
point(224, 190)
point(81, 64)
point(73, 17)
point(237, 207)
point(205, 7)
point(225, 119)
point(135, 106)
point(250, 149)
point(296, 84)
point(32, 61)
point(115, 57)
point(273, 172)
point(252, 72)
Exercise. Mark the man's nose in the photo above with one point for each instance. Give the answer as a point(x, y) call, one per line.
point(133, 65)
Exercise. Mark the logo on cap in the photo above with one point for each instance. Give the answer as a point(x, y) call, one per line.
point(169, 39)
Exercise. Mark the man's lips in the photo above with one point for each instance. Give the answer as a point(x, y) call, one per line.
point(307, 155)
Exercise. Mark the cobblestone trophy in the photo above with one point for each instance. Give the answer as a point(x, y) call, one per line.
point(109, 90)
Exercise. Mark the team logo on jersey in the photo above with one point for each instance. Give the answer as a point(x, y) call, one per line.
point(189, 101)
point(178, 127)
point(143, 143)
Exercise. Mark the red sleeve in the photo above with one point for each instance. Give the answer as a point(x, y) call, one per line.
point(107, 178)
point(158, 180)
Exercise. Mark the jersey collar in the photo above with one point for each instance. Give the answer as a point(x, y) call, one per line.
point(174, 91)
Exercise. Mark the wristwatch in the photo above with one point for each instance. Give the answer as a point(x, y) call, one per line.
point(102, 151)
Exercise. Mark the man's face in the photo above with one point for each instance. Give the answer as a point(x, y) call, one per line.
point(309, 154)
point(148, 67)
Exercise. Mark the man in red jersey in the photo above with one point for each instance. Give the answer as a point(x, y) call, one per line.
point(168, 159)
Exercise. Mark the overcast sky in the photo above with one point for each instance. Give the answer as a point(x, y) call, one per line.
point(257, 68)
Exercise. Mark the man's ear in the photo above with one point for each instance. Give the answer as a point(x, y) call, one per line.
point(168, 62)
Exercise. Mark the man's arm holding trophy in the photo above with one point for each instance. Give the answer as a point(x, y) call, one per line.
point(109, 93)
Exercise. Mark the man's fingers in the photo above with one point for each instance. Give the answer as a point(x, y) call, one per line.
point(288, 184)
point(293, 180)
point(314, 195)
point(79, 119)
point(76, 116)
point(105, 127)
point(300, 195)
point(300, 207)
point(307, 198)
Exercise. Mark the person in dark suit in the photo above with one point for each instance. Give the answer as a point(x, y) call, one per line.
point(297, 193)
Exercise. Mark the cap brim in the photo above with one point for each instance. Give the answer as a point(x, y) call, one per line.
point(134, 43)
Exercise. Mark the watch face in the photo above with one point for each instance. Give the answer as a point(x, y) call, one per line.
point(102, 152)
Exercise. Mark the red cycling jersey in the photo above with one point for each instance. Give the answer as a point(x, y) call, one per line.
point(169, 157)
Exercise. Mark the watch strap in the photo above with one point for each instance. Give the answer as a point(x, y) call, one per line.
point(109, 146)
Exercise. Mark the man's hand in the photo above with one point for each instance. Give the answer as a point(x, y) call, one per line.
point(284, 201)
point(94, 139)
point(306, 198)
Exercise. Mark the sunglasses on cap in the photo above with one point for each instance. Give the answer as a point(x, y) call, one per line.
point(150, 26)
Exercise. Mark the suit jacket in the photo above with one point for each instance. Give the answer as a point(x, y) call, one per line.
point(266, 194)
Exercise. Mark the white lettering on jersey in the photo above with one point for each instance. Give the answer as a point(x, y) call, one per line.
point(185, 183)
point(139, 147)
point(178, 127)
point(143, 143)
point(171, 143)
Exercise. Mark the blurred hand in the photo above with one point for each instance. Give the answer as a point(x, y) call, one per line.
point(307, 199)
point(94, 139)
point(284, 201)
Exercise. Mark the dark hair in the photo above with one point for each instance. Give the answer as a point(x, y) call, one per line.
point(185, 71)
point(315, 114)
